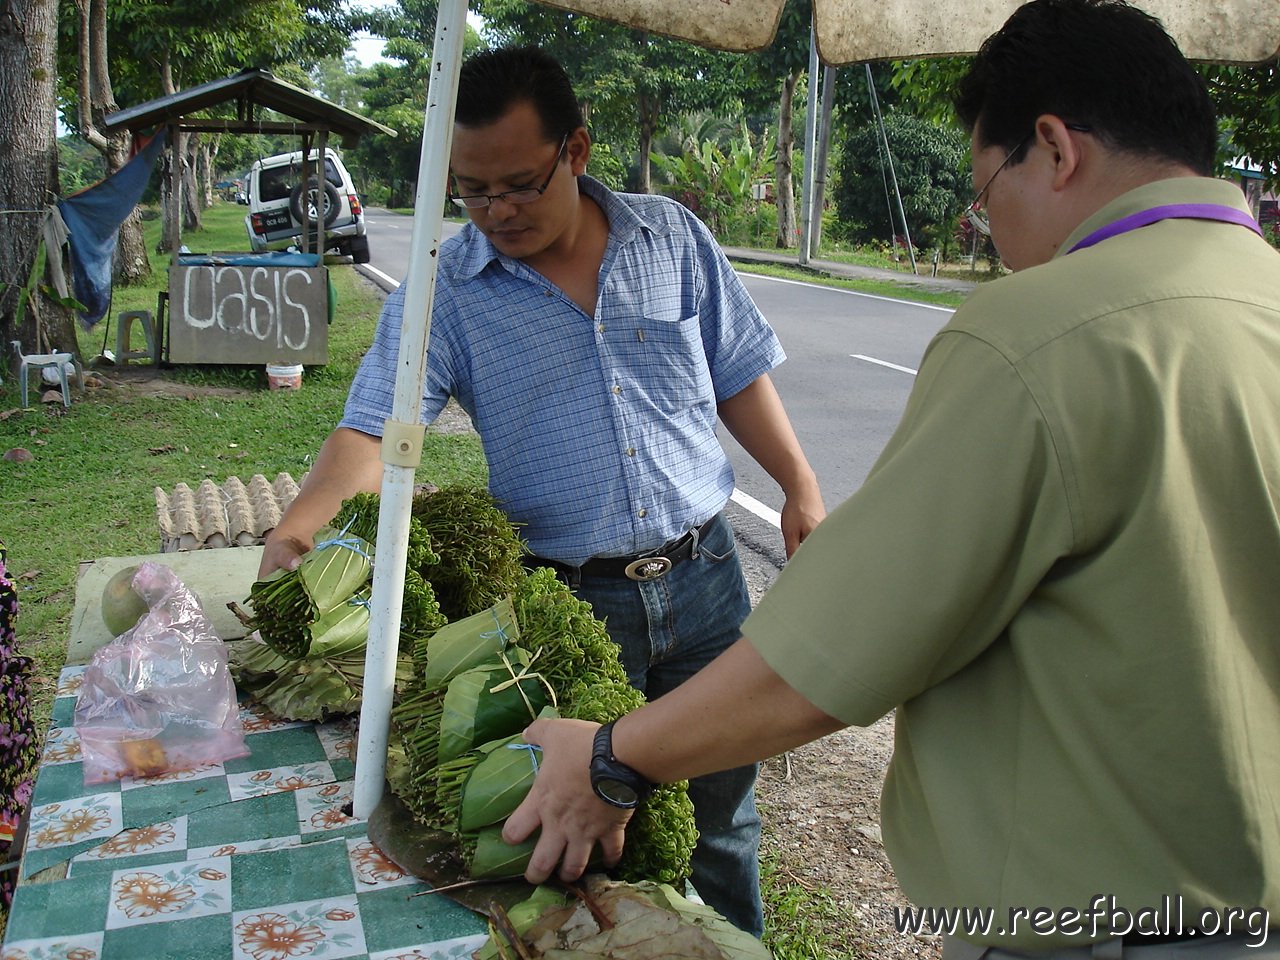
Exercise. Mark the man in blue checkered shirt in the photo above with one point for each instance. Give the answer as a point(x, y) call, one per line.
point(595, 339)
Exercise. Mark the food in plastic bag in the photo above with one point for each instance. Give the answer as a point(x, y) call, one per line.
point(159, 698)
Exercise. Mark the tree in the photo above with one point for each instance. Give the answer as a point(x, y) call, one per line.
point(714, 181)
point(141, 50)
point(28, 175)
point(632, 83)
point(95, 100)
point(930, 165)
point(1248, 102)
point(781, 67)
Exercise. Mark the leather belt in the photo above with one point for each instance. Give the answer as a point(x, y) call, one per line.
point(652, 565)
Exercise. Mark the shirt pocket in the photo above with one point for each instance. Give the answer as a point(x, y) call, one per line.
point(666, 363)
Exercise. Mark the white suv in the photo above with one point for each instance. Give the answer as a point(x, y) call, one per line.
point(276, 198)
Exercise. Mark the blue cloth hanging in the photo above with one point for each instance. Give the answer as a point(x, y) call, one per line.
point(93, 217)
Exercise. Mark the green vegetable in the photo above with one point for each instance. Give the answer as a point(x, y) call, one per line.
point(498, 783)
point(287, 604)
point(359, 516)
point(479, 552)
point(489, 702)
point(467, 643)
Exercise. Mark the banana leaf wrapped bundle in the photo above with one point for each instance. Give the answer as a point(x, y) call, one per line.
point(291, 608)
point(480, 649)
point(619, 921)
point(542, 651)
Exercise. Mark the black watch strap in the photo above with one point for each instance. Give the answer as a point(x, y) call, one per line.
point(613, 781)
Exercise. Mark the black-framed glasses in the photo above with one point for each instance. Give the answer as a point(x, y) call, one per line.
point(522, 195)
point(974, 212)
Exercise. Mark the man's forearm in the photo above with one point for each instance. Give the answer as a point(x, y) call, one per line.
point(756, 418)
point(736, 710)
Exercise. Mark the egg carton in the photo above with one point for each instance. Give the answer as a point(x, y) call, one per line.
point(235, 514)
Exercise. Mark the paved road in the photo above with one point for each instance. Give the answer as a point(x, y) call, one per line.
point(851, 363)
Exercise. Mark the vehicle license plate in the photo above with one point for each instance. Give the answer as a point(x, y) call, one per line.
point(276, 219)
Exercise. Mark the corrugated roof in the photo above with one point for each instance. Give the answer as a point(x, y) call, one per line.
point(249, 90)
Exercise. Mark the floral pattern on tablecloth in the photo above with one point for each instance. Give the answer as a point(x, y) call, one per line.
point(321, 928)
point(168, 892)
point(71, 821)
point(258, 783)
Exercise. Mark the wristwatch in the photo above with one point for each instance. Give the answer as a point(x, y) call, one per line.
point(613, 781)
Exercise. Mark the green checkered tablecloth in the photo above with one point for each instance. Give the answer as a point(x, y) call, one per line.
point(253, 859)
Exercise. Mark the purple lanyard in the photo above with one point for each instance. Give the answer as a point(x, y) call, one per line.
point(1173, 211)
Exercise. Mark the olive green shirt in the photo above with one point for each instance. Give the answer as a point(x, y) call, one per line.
point(1064, 571)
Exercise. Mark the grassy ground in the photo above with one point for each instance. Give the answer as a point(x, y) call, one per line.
point(88, 492)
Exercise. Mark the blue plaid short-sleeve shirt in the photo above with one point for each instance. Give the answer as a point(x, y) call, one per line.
point(600, 431)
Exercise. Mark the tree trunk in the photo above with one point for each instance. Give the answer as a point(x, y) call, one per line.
point(96, 100)
point(784, 188)
point(191, 208)
point(28, 172)
point(206, 173)
point(648, 122)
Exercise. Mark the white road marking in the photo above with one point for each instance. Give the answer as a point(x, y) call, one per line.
point(763, 511)
point(374, 270)
point(883, 363)
point(852, 293)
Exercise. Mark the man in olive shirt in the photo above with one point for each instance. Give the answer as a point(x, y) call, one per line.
point(1064, 570)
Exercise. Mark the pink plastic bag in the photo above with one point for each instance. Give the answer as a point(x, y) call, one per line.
point(159, 698)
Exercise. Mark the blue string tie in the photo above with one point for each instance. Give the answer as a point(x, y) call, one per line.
point(342, 540)
point(533, 749)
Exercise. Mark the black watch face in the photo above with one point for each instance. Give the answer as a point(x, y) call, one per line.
point(616, 792)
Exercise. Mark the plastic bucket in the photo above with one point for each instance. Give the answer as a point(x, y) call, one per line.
point(284, 376)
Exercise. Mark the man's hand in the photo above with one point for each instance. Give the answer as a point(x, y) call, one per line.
point(573, 819)
point(282, 552)
point(800, 514)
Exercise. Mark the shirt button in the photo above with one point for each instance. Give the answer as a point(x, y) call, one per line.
point(631, 451)
point(616, 388)
point(548, 293)
point(600, 328)
point(643, 512)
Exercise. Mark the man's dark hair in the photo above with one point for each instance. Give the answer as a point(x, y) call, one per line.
point(1101, 63)
point(494, 81)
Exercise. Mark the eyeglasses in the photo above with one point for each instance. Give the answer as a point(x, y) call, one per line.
point(974, 213)
point(523, 195)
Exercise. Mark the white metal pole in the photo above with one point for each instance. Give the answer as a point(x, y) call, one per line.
point(402, 440)
point(807, 212)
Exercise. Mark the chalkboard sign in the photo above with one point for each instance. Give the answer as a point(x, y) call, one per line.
point(231, 312)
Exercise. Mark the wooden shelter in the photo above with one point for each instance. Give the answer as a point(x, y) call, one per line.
point(254, 329)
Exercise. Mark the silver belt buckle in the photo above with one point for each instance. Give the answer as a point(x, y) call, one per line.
point(647, 568)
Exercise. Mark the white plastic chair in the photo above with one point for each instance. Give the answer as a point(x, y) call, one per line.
point(38, 362)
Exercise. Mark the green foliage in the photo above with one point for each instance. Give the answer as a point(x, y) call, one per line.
point(924, 87)
point(715, 181)
point(607, 167)
point(931, 169)
point(79, 165)
point(1248, 102)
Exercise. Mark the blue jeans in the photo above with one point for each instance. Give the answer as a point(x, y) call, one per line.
point(669, 629)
